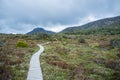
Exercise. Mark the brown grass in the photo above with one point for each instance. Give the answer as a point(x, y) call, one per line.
point(61, 64)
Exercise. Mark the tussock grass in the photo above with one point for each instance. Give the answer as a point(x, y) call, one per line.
point(88, 60)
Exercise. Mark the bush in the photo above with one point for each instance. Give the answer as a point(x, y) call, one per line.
point(43, 36)
point(95, 45)
point(21, 44)
point(115, 43)
point(2, 44)
point(113, 64)
point(81, 40)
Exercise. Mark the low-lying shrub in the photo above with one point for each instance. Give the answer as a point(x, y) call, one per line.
point(79, 73)
point(61, 64)
point(21, 44)
point(81, 40)
point(94, 45)
point(2, 44)
point(5, 73)
point(113, 64)
point(115, 43)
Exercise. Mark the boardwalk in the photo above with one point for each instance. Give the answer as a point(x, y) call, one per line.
point(35, 72)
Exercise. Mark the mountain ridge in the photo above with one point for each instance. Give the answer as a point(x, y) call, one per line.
point(101, 23)
point(95, 24)
point(40, 30)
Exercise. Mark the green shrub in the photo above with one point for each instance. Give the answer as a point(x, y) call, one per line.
point(21, 44)
point(95, 45)
point(43, 36)
point(81, 40)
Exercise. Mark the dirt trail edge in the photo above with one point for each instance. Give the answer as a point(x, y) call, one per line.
point(35, 72)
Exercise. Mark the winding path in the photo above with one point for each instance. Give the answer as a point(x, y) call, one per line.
point(35, 72)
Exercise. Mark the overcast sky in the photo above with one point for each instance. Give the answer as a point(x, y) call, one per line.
point(21, 16)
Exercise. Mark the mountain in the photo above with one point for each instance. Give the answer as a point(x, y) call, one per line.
point(107, 22)
point(40, 30)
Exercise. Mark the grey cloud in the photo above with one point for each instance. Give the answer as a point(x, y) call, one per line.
point(20, 15)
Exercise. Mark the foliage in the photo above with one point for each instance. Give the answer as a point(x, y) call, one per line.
point(115, 43)
point(108, 26)
point(42, 36)
point(75, 61)
point(81, 40)
point(2, 44)
point(14, 61)
point(108, 30)
point(64, 58)
point(21, 44)
point(94, 45)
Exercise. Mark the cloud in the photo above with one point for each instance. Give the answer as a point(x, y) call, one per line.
point(20, 16)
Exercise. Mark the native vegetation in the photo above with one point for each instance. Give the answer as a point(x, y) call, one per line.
point(88, 52)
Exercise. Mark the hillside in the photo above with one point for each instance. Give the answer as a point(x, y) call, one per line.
point(40, 30)
point(107, 22)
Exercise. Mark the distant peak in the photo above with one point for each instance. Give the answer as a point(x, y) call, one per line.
point(39, 30)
